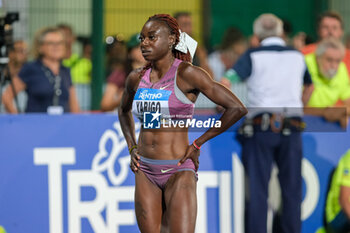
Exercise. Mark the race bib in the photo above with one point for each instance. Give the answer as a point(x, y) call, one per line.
point(151, 100)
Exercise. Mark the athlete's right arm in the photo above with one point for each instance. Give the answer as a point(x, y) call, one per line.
point(125, 116)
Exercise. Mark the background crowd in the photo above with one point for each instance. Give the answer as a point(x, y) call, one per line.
point(329, 72)
point(49, 77)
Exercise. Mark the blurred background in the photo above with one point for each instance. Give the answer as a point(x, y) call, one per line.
point(101, 46)
point(102, 23)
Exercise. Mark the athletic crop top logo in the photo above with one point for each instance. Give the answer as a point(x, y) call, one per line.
point(151, 94)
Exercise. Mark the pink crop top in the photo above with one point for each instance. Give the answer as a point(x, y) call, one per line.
point(163, 96)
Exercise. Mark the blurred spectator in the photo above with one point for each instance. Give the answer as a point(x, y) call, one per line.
point(233, 45)
point(275, 75)
point(81, 68)
point(330, 25)
point(115, 83)
point(116, 52)
point(338, 205)
point(300, 40)
point(87, 47)
point(287, 31)
point(80, 65)
point(46, 82)
point(184, 19)
point(69, 39)
point(347, 41)
point(331, 81)
point(254, 41)
point(18, 55)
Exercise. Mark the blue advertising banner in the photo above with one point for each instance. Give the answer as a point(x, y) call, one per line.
point(70, 174)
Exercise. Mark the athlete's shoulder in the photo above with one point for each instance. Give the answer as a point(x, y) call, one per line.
point(133, 79)
point(186, 69)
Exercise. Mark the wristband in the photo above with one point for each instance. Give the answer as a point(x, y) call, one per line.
point(132, 148)
point(195, 145)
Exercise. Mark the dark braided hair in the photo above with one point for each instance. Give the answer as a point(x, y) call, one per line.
point(174, 30)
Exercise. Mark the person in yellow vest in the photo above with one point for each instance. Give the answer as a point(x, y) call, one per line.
point(330, 24)
point(330, 97)
point(2, 229)
point(338, 198)
point(81, 66)
point(69, 38)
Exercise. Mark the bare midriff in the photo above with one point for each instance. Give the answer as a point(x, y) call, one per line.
point(165, 144)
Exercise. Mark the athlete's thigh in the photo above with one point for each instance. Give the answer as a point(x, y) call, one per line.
point(148, 204)
point(181, 202)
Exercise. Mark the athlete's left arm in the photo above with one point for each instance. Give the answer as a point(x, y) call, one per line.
point(198, 79)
